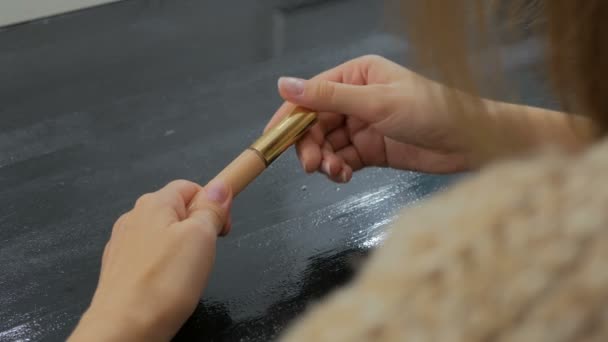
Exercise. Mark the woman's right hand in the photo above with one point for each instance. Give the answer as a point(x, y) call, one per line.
point(373, 112)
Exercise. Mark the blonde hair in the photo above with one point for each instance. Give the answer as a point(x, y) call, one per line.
point(452, 39)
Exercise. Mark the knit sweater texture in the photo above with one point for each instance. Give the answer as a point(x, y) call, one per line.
point(518, 252)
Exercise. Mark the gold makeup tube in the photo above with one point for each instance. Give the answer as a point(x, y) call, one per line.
point(254, 160)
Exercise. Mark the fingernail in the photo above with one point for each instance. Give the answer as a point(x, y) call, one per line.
point(325, 168)
point(217, 191)
point(293, 86)
point(343, 176)
point(303, 165)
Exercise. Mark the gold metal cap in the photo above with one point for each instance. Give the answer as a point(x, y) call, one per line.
point(284, 134)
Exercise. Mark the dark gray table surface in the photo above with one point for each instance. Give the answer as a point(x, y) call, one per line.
point(102, 105)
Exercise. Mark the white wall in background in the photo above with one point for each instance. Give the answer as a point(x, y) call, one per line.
point(16, 11)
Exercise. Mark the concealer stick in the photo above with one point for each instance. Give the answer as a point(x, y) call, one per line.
point(254, 160)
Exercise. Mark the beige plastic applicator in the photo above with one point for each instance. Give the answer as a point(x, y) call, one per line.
point(254, 160)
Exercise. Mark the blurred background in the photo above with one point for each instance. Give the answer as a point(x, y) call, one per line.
point(101, 101)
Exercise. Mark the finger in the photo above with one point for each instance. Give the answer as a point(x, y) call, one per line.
point(210, 207)
point(227, 227)
point(338, 138)
point(168, 204)
point(370, 103)
point(105, 256)
point(373, 142)
point(332, 164)
point(327, 147)
point(354, 71)
point(346, 174)
point(228, 222)
point(179, 194)
point(328, 121)
point(307, 148)
point(351, 157)
point(335, 74)
point(335, 167)
point(283, 110)
point(209, 217)
point(309, 153)
point(197, 242)
point(119, 224)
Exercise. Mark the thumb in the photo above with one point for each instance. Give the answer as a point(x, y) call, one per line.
point(211, 206)
point(369, 103)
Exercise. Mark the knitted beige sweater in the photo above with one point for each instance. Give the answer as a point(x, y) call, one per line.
point(517, 253)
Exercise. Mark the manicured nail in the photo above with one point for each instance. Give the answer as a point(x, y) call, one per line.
point(343, 176)
point(325, 168)
point(293, 86)
point(217, 191)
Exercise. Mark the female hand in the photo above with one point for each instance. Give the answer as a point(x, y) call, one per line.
point(373, 112)
point(156, 264)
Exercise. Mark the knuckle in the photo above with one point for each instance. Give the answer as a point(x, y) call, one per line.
point(203, 230)
point(208, 233)
point(106, 250)
point(144, 200)
point(179, 183)
point(372, 58)
point(119, 223)
point(382, 102)
point(106, 253)
point(215, 216)
point(325, 90)
point(210, 220)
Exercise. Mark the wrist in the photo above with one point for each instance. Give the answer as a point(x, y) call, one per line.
point(507, 130)
point(99, 324)
point(534, 126)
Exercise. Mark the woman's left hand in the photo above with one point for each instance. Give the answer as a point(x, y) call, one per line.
point(156, 264)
